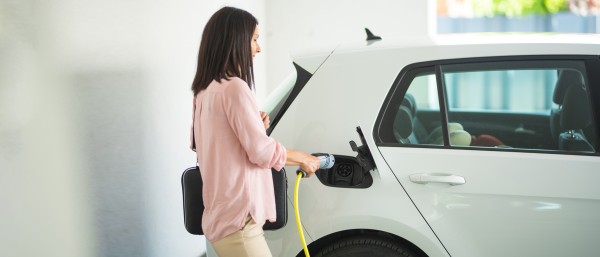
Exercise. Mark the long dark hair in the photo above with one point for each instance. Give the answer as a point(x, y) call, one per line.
point(225, 49)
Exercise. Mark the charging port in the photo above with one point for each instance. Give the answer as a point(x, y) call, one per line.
point(346, 172)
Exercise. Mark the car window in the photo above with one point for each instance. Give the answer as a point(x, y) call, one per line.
point(422, 98)
point(412, 114)
point(540, 105)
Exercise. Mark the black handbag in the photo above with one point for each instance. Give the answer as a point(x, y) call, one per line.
point(193, 204)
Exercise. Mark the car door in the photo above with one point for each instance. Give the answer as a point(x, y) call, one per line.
point(469, 142)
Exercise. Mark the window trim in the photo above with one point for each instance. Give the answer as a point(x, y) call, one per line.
point(594, 88)
point(442, 96)
point(401, 84)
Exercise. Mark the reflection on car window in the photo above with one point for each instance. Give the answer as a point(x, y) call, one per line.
point(521, 105)
point(501, 90)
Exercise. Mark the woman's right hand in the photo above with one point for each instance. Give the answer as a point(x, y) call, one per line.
point(307, 162)
point(310, 165)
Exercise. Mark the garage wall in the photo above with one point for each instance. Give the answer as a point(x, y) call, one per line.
point(95, 111)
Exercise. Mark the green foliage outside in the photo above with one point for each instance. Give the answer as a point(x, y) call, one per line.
point(513, 8)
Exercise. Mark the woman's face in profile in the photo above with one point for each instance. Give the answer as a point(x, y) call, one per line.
point(254, 43)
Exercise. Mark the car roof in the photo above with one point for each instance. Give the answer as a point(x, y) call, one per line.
point(472, 39)
point(450, 46)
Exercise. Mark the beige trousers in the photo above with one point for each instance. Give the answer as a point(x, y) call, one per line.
point(248, 242)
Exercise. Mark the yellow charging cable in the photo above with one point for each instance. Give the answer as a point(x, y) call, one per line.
point(298, 222)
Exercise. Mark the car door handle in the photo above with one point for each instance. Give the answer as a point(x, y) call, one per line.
point(424, 178)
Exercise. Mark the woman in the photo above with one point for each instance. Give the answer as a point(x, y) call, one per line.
point(234, 153)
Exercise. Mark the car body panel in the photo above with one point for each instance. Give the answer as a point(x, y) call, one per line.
point(322, 132)
point(532, 202)
point(353, 209)
point(499, 211)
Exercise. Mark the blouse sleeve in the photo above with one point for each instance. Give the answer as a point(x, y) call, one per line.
point(244, 118)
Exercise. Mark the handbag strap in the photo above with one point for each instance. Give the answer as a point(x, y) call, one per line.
point(193, 121)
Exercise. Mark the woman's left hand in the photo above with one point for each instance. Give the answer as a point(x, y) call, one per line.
point(265, 119)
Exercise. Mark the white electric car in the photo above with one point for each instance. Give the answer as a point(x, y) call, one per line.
point(470, 146)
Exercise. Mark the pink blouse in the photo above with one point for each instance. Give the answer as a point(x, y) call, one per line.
point(235, 157)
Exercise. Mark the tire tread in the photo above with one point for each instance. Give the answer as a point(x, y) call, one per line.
point(399, 250)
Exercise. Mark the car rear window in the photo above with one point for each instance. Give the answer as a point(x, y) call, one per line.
point(514, 103)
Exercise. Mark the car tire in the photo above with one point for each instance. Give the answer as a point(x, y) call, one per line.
point(366, 246)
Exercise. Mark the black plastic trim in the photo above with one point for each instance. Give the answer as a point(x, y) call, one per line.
point(593, 71)
point(441, 87)
point(506, 149)
point(302, 77)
